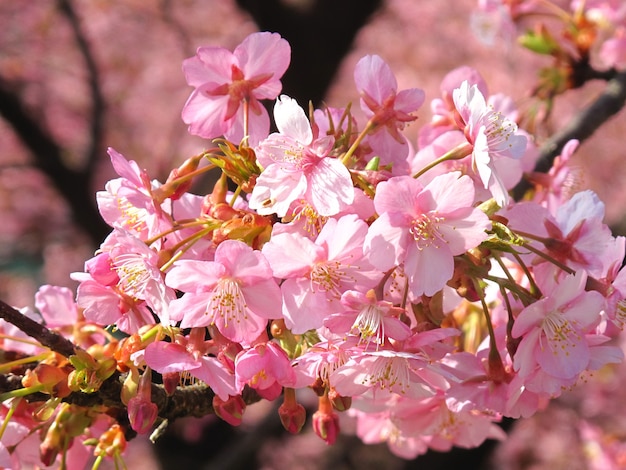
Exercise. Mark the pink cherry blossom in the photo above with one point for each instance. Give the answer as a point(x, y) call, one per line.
point(492, 135)
point(317, 272)
point(236, 292)
point(266, 368)
point(225, 83)
point(424, 228)
point(297, 165)
point(189, 356)
point(388, 110)
point(127, 201)
point(552, 330)
point(369, 318)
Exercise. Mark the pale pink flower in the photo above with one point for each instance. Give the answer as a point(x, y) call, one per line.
point(613, 50)
point(266, 368)
point(297, 165)
point(383, 372)
point(138, 269)
point(553, 330)
point(127, 203)
point(225, 80)
point(493, 136)
point(424, 228)
point(388, 109)
point(236, 292)
point(317, 272)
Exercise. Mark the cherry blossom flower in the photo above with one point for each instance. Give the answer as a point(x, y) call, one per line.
point(424, 228)
point(266, 368)
point(369, 318)
point(183, 355)
point(575, 235)
point(492, 135)
point(317, 273)
point(228, 87)
point(236, 292)
point(297, 165)
point(127, 201)
point(388, 110)
point(552, 330)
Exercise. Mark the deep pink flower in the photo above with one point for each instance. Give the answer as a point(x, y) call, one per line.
point(236, 292)
point(297, 166)
point(388, 109)
point(186, 356)
point(266, 368)
point(424, 228)
point(225, 80)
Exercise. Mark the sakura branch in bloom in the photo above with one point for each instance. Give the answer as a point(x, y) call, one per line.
point(405, 289)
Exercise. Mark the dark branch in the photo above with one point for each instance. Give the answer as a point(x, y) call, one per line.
point(97, 99)
point(46, 337)
point(72, 185)
point(581, 127)
point(320, 36)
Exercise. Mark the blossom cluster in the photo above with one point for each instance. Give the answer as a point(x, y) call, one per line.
point(404, 288)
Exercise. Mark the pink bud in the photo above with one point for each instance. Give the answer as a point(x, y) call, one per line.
point(142, 414)
point(292, 417)
point(326, 426)
point(230, 410)
point(101, 269)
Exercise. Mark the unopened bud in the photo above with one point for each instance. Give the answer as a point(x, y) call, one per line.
point(230, 410)
point(293, 417)
point(326, 426)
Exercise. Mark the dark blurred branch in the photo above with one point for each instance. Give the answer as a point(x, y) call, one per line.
point(320, 35)
point(95, 149)
point(72, 185)
point(582, 126)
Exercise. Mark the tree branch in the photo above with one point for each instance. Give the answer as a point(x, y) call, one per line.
point(46, 337)
point(581, 127)
point(97, 99)
point(47, 154)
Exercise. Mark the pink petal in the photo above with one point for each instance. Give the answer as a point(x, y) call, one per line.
point(169, 357)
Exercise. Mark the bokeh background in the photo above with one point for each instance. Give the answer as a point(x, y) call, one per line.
point(78, 76)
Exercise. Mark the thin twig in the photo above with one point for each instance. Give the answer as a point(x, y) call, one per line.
point(46, 337)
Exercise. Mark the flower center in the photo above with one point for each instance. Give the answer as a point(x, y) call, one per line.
point(228, 301)
point(391, 373)
point(425, 230)
point(133, 273)
point(328, 277)
point(559, 332)
point(369, 323)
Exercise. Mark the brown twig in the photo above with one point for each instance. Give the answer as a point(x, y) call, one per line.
point(46, 337)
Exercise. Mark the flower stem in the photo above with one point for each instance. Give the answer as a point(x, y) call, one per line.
point(457, 153)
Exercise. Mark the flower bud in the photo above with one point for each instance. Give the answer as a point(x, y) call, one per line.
point(326, 426)
point(230, 410)
point(142, 414)
point(340, 403)
point(293, 417)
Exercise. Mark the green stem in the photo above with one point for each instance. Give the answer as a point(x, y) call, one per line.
point(368, 128)
point(457, 153)
point(21, 392)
